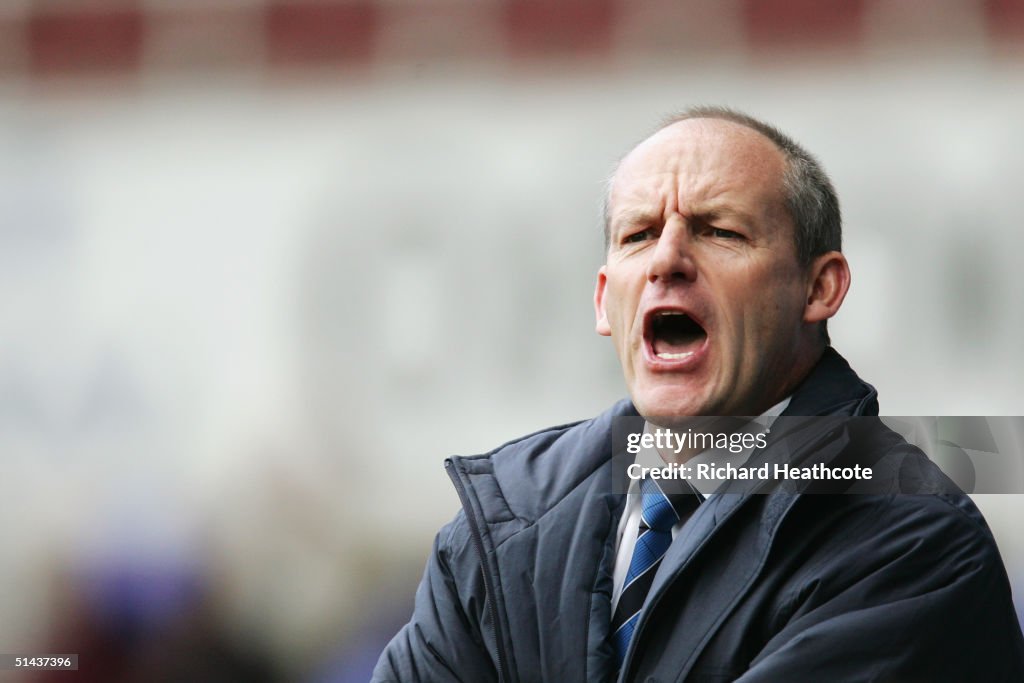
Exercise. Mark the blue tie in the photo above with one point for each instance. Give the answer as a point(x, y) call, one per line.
point(659, 513)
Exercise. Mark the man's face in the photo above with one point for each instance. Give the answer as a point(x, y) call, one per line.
point(701, 292)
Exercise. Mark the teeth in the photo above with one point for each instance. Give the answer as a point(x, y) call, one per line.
point(667, 313)
point(674, 356)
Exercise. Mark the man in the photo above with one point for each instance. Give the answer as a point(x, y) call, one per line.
point(723, 265)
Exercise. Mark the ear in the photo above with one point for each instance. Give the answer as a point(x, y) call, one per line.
point(602, 327)
point(829, 280)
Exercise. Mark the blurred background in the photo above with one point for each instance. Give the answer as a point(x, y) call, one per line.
point(265, 261)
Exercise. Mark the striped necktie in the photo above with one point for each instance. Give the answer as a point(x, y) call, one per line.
point(659, 513)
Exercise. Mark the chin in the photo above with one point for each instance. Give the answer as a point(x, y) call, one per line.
point(670, 402)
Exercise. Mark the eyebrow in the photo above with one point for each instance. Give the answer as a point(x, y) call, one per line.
point(650, 215)
point(635, 217)
point(713, 212)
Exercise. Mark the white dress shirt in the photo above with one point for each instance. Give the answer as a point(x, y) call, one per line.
point(629, 524)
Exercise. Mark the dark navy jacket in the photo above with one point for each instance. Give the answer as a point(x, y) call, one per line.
point(755, 588)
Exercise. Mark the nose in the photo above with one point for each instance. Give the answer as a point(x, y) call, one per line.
point(672, 258)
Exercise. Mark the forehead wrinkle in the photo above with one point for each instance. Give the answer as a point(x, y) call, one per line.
point(733, 180)
point(699, 167)
point(716, 196)
point(645, 201)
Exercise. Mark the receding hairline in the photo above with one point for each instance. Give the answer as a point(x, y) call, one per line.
point(673, 122)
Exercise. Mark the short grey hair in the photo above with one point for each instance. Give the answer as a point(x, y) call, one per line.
point(810, 197)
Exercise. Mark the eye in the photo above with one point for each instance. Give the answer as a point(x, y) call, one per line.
point(638, 236)
point(725, 234)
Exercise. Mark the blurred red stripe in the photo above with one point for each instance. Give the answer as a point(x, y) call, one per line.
point(115, 36)
point(781, 23)
point(538, 28)
point(86, 40)
point(313, 32)
point(1005, 18)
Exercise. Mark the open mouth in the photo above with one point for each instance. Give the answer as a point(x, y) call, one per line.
point(674, 335)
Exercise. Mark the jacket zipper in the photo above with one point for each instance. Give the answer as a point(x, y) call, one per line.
point(499, 649)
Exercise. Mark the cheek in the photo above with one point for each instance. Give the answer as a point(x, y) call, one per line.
point(781, 313)
point(761, 302)
point(611, 304)
point(620, 305)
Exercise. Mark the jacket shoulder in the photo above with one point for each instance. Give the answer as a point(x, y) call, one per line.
point(525, 477)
